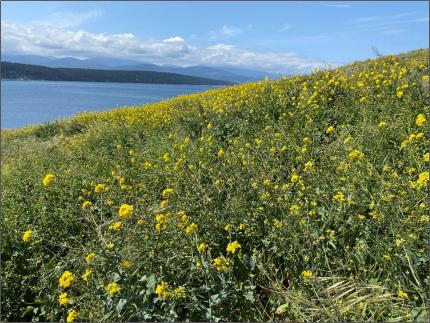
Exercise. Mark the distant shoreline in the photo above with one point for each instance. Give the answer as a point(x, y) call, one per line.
point(26, 72)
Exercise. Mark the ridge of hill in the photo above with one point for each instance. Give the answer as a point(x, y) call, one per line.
point(16, 71)
point(302, 199)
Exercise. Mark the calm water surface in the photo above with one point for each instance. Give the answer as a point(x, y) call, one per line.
point(34, 102)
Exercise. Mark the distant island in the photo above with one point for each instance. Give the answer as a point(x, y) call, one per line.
point(15, 71)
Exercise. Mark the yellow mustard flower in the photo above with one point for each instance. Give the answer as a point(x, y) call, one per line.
point(329, 130)
point(27, 235)
point(162, 290)
point(339, 197)
point(48, 179)
point(232, 247)
point(402, 295)
point(125, 211)
point(86, 204)
point(66, 279)
point(71, 316)
point(191, 228)
point(62, 299)
point(307, 274)
point(221, 264)
point(125, 264)
point(202, 247)
point(86, 274)
point(100, 188)
point(90, 257)
point(167, 192)
point(356, 154)
point(420, 120)
point(112, 289)
point(116, 226)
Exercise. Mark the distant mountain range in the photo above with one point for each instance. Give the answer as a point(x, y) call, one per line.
point(16, 71)
point(230, 74)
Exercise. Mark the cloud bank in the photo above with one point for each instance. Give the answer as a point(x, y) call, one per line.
point(60, 41)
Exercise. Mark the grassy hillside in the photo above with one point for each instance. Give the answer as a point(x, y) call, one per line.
point(303, 199)
point(15, 71)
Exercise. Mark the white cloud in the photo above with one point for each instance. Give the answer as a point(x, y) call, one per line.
point(67, 19)
point(60, 42)
point(285, 27)
point(225, 32)
point(175, 39)
point(230, 30)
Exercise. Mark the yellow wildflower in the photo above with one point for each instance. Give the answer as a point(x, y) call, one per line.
point(71, 316)
point(202, 247)
point(426, 157)
point(167, 192)
point(100, 188)
point(27, 235)
point(329, 130)
point(399, 93)
point(66, 279)
point(420, 120)
point(112, 289)
point(339, 197)
point(166, 157)
point(125, 264)
point(221, 264)
point(86, 204)
point(191, 228)
point(233, 246)
point(162, 290)
point(356, 154)
point(277, 224)
point(295, 209)
point(382, 124)
point(86, 274)
point(308, 165)
point(402, 295)
point(220, 152)
point(47, 180)
point(228, 227)
point(115, 226)
point(307, 274)
point(90, 257)
point(160, 219)
point(62, 299)
point(125, 211)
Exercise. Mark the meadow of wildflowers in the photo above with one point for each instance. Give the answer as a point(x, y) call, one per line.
point(300, 199)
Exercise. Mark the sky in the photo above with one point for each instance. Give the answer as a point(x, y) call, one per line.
point(270, 36)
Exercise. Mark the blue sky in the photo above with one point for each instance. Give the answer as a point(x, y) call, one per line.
point(276, 36)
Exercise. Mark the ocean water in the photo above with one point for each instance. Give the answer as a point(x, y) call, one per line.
point(35, 102)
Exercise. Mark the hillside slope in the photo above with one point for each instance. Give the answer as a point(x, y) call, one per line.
point(302, 199)
point(15, 71)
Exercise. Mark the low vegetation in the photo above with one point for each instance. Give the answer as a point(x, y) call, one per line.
point(301, 199)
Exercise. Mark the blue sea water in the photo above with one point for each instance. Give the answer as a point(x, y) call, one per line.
point(35, 102)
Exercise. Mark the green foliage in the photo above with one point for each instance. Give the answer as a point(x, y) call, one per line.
point(303, 199)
